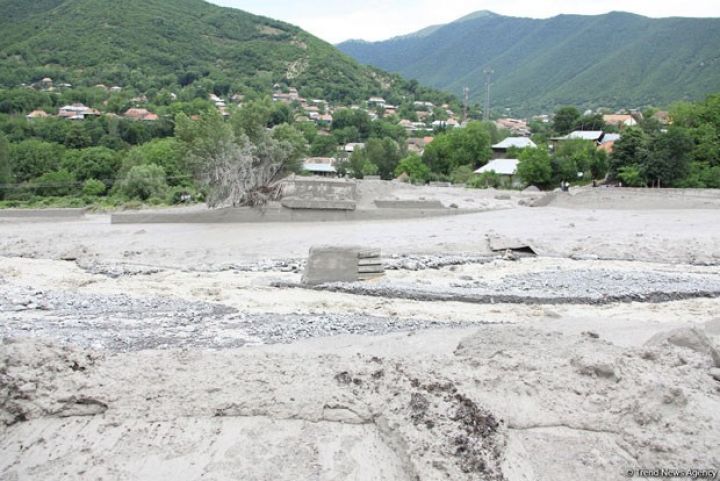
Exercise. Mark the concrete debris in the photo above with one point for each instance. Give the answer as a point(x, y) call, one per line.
point(499, 243)
point(342, 264)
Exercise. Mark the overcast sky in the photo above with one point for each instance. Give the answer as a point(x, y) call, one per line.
point(335, 21)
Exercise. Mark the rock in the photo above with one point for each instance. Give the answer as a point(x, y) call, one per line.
point(454, 206)
point(531, 188)
point(689, 338)
point(589, 365)
point(715, 373)
point(502, 197)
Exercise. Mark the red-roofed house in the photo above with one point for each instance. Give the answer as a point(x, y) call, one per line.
point(141, 114)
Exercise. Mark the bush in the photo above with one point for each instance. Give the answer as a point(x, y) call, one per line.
point(485, 180)
point(631, 176)
point(142, 182)
point(93, 188)
point(178, 195)
point(461, 174)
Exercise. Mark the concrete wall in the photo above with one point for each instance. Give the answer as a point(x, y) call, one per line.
point(42, 213)
point(245, 215)
point(409, 204)
point(320, 189)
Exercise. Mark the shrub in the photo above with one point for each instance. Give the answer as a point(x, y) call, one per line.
point(485, 180)
point(142, 182)
point(93, 188)
point(461, 174)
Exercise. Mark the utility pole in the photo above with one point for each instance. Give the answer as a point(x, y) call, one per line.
point(465, 105)
point(488, 81)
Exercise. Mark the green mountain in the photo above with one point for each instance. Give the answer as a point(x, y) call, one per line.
point(612, 60)
point(153, 44)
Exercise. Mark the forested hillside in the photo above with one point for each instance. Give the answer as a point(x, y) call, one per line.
point(614, 60)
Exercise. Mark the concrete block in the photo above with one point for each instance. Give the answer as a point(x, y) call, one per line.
point(341, 264)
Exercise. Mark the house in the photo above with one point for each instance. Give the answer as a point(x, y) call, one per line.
point(351, 147)
point(591, 135)
point(516, 126)
point(620, 120)
point(76, 112)
point(406, 124)
point(505, 168)
point(321, 166)
point(141, 114)
point(423, 105)
point(416, 145)
point(325, 119)
point(37, 114)
point(608, 143)
point(662, 117)
point(376, 102)
point(500, 150)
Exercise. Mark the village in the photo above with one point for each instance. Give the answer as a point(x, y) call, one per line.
point(421, 121)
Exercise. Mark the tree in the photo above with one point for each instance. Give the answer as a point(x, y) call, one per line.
point(59, 183)
point(32, 158)
point(535, 167)
point(414, 167)
point(143, 182)
point(630, 150)
point(167, 153)
point(254, 117)
point(93, 163)
point(669, 158)
point(468, 146)
point(565, 120)
point(579, 156)
point(378, 157)
point(298, 146)
point(247, 173)
point(6, 176)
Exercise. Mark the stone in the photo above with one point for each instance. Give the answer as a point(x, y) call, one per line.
point(715, 373)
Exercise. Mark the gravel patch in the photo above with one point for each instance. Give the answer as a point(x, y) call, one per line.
point(124, 323)
point(578, 286)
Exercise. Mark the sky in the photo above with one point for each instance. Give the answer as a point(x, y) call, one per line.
point(335, 21)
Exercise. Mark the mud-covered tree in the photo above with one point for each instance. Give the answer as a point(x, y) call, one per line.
point(235, 170)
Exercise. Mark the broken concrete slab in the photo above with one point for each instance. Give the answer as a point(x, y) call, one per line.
point(342, 264)
point(498, 243)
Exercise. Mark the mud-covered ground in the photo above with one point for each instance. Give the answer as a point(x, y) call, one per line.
point(192, 352)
